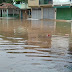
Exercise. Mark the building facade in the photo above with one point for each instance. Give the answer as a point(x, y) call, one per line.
point(63, 9)
point(62, 2)
point(51, 9)
point(42, 9)
point(8, 10)
point(25, 11)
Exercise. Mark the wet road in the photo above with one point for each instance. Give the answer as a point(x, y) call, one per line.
point(35, 46)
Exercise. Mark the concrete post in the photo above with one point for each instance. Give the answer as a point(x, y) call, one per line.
point(29, 12)
point(13, 12)
point(42, 13)
point(7, 12)
point(20, 13)
point(2, 12)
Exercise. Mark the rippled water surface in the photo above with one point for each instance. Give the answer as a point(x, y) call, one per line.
point(35, 46)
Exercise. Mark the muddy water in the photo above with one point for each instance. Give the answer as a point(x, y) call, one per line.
point(35, 46)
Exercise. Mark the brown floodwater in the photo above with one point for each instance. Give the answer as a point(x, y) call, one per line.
point(35, 46)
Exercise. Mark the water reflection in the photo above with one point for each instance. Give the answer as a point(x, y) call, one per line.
point(70, 41)
point(43, 46)
point(40, 33)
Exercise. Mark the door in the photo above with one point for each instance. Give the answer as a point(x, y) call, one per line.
point(36, 13)
point(48, 13)
point(63, 13)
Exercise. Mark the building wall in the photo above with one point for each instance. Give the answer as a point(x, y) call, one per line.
point(15, 11)
point(64, 13)
point(10, 12)
point(25, 15)
point(4, 12)
point(33, 2)
point(60, 2)
point(44, 2)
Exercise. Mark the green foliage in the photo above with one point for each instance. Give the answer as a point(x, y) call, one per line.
point(6, 1)
point(25, 1)
point(11, 1)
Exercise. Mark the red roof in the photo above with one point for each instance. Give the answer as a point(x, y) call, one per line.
point(7, 5)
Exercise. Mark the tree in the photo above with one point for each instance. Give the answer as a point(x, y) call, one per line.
point(24, 1)
point(9, 1)
point(0, 1)
point(6, 1)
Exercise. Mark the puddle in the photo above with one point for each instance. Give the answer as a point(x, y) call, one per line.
point(35, 46)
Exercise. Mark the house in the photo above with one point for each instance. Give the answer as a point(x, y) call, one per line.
point(25, 11)
point(8, 10)
point(42, 9)
point(63, 9)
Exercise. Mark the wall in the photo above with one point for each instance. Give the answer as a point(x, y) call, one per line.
point(4, 12)
point(15, 11)
point(43, 2)
point(60, 2)
point(33, 2)
point(10, 12)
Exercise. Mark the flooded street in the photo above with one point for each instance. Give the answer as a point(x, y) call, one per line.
point(35, 46)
